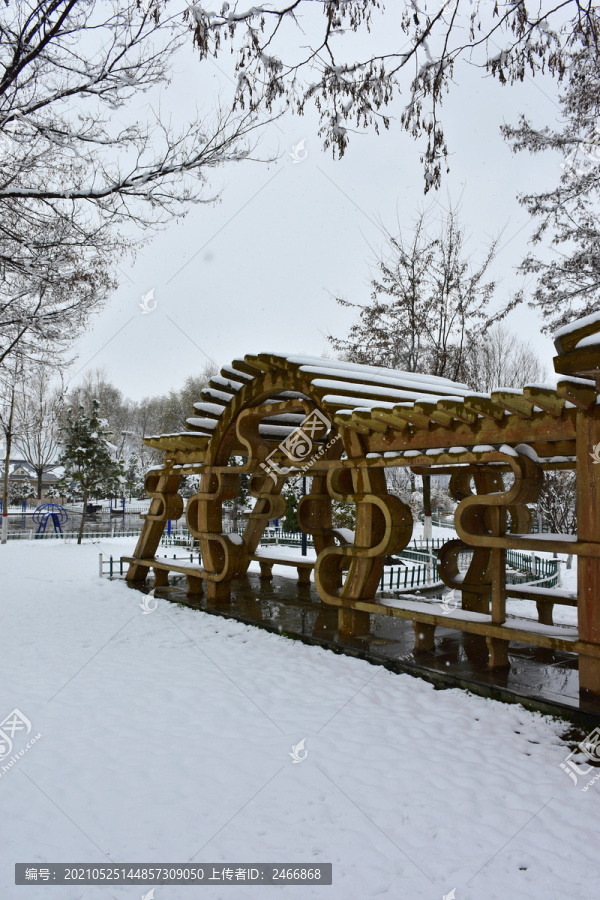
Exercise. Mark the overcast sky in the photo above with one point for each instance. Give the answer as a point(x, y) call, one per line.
point(257, 270)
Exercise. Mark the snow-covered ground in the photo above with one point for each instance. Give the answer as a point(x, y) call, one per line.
point(166, 737)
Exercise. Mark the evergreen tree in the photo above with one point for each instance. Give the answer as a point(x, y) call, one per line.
point(134, 477)
point(20, 490)
point(290, 523)
point(343, 515)
point(238, 504)
point(87, 458)
point(292, 491)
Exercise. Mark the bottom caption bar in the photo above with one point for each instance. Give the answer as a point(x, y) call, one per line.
point(173, 873)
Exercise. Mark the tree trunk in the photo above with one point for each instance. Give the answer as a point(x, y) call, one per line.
point(8, 435)
point(85, 502)
point(40, 476)
point(5, 489)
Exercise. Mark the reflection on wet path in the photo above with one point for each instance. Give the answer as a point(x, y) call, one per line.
point(539, 678)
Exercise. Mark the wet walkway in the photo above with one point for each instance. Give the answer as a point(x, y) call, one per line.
point(540, 679)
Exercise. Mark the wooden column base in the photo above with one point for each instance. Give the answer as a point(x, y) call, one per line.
point(498, 653)
point(266, 571)
point(161, 578)
point(353, 622)
point(545, 613)
point(219, 591)
point(137, 574)
point(195, 586)
point(589, 675)
point(424, 637)
point(303, 575)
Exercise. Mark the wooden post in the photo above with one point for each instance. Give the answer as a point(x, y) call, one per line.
point(161, 578)
point(266, 571)
point(353, 622)
point(166, 503)
point(498, 585)
point(195, 586)
point(498, 653)
point(544, 611)
point(303, 574)
point(424, 637)
point(218, 591)
point(588, 529)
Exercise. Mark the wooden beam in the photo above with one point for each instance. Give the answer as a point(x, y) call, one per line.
point(484, 407)
point(363, 417)
point(546, 398)
point(457, 410)
point(431, 410)
point(514, 403)
point(567, 342)
point(576, 391)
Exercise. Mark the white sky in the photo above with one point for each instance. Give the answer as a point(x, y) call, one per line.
point(255, 271)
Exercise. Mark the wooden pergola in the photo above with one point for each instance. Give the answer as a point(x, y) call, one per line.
point(344, 425)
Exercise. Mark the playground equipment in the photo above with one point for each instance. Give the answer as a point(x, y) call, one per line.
point(344, 424)
point(50, 512)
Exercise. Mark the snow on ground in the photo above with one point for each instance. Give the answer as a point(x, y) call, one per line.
point(166, 737)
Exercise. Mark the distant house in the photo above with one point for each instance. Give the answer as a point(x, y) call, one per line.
point(22, 474)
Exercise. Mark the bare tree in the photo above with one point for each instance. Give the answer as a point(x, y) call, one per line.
point(498, 358)
point(38, 412)
point(129, 421)
point(171, 411)
point(402, 482)
point(51, 276)
point(72, 179)
point(428, 300)
point(557, 502)
point(503, 39)
point(10, 378)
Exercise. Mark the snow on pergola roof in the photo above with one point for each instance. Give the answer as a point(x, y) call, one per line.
point(364, 398)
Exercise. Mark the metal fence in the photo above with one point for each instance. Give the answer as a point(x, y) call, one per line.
point(117, 566)
point(523, 568)
point(112, 532)
point(399, 577)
